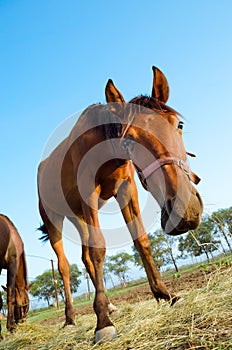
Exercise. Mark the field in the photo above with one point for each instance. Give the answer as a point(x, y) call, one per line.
point(202, 319)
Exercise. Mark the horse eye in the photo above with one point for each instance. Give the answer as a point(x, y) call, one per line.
point(180, 125)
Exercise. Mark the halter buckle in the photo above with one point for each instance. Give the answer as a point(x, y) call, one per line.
point(184, 167)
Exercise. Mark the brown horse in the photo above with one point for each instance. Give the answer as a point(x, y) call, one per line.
point(12, 258)
point(95, 162)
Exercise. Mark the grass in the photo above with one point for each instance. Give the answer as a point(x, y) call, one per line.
point(201, 320)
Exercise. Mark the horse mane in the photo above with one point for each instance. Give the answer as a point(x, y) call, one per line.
point(154, 104)
point(107, 123)
point(24, 267)
point(111, 129)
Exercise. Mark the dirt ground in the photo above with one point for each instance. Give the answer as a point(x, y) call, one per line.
point(195, 279)
point(186, 281)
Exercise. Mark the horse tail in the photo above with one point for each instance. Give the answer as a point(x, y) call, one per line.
point(44, 230)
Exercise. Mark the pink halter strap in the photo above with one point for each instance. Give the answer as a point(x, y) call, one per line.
point(150, 169)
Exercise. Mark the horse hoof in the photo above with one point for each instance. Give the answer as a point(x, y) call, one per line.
point(105, 334)
point(69, 324)
point(11, 329)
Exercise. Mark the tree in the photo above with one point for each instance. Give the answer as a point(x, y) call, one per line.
point(171, 243)
point(43, 286)
point(200, 241)
point(222, 221)
point(162, 250)
point(107, 274)
point(118, 264)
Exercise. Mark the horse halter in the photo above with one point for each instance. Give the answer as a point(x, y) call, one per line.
point(159, 163)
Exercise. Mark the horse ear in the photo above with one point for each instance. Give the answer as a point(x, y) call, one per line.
point(4, 288)
point(112, 93)
point(160, 89)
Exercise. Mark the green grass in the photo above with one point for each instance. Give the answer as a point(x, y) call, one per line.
point(39, 316)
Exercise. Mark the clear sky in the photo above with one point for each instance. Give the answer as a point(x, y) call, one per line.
point(55, 59)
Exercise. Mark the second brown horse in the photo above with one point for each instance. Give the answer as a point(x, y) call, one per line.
point(13, 259)
point(96, 162)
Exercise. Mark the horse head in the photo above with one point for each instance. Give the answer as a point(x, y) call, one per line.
point(21, 306)
point(152, 137)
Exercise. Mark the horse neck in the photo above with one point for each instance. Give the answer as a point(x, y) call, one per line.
point(21, 276)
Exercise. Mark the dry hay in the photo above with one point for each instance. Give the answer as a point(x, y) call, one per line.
point(201, 320)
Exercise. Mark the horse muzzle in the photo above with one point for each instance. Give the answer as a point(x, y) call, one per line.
point(178, 217)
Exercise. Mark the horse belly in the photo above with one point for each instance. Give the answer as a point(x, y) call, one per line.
point(64, 204)
point(51, 192)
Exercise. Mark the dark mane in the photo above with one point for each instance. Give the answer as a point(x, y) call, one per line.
point(153, 103)
point(107, 123)
point(25, 268)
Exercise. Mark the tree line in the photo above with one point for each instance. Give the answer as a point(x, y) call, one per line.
point(213, 235)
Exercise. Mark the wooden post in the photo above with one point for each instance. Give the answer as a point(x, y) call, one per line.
point(55, 285)
point(88, 286)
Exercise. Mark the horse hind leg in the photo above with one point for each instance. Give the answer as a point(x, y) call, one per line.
point(64, 270)
point(54, 231)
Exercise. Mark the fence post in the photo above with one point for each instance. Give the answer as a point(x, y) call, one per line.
point(88, 286)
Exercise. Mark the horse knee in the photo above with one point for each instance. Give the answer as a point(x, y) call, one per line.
point(97, 255)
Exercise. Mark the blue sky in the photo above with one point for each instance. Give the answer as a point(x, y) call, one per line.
point(56, 57)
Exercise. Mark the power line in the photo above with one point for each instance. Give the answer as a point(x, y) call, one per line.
point(47, 259)
point(37, 256)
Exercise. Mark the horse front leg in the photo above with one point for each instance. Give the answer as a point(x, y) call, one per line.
point(127, 198)
point(10, 289)
point(105, 329)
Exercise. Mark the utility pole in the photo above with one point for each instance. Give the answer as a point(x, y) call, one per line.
point(88, 286)
point(55, 285)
